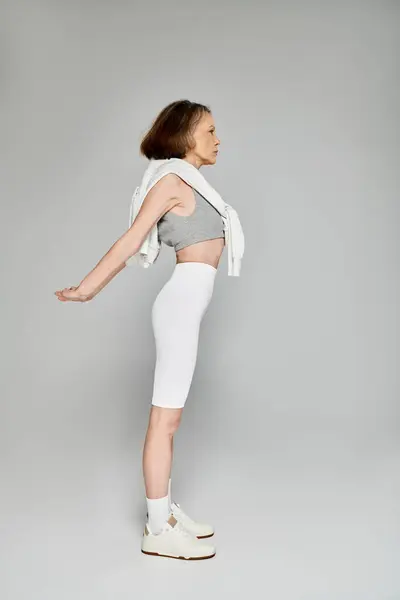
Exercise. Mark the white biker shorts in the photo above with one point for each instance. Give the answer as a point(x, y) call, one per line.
point(177, 313)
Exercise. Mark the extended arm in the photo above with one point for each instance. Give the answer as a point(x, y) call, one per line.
point(161, 198)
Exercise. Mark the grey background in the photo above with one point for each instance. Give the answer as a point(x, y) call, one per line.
point(289, 443)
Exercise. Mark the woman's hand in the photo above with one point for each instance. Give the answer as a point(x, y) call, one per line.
point(73, 294)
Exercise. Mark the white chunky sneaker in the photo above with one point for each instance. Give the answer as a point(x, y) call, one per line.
point(200, 530)
point(174, 541)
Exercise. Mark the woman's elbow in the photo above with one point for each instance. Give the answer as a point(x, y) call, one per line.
point(130, 243)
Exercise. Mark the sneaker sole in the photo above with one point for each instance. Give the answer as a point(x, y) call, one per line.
point(179, 557)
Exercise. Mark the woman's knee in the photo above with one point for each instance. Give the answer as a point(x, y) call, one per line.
point(165, 420)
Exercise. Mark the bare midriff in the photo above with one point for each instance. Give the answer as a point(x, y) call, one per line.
point(208, 251)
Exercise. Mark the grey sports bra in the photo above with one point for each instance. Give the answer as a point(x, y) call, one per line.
point(179, 231)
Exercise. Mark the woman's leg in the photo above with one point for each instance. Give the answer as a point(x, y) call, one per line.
point(176, 316)
point(157, 462)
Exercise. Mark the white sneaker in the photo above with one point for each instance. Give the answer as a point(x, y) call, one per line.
point(200, 530)
point(174, 541)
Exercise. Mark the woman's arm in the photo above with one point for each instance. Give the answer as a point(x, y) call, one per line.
point(161, 198)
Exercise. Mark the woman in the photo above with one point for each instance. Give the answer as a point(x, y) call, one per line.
point(194, 228)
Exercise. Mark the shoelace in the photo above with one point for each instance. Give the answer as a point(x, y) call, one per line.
point(179, 528)
point(183, 516)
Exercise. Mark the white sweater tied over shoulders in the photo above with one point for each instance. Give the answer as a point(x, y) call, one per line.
point(150, 248)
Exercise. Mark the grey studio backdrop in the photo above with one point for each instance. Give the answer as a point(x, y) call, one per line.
point(289, 442)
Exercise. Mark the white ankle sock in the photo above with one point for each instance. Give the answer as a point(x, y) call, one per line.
point(158, 510)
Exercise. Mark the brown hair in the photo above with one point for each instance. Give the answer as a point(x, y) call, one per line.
point(170, 135)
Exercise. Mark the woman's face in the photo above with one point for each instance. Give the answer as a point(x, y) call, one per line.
point(206, 142)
